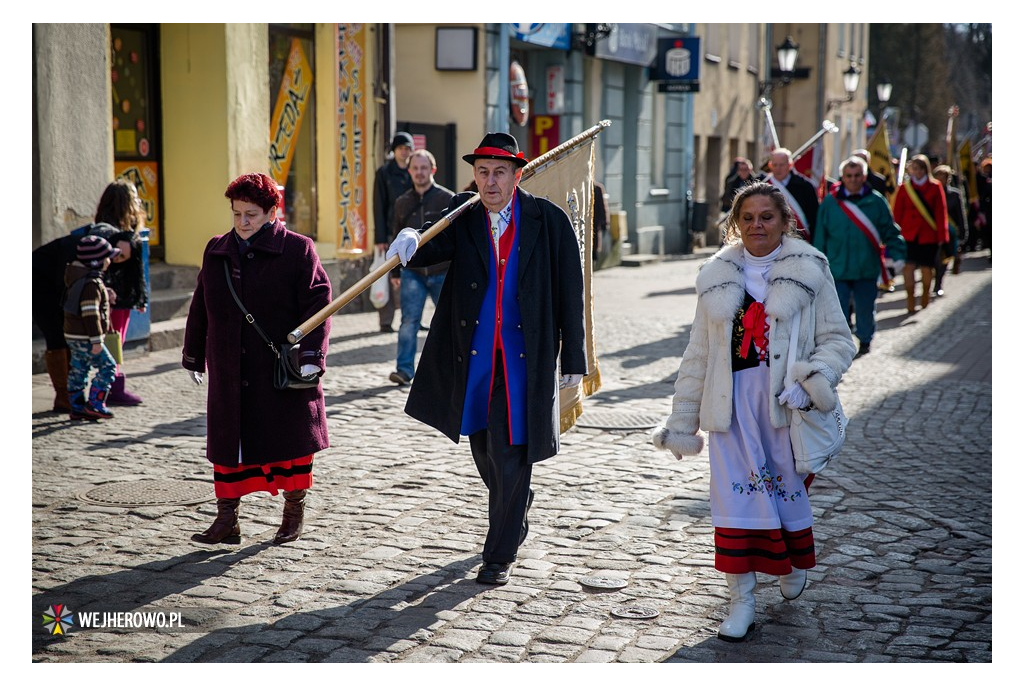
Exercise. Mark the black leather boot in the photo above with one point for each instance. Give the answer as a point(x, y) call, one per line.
point(291, 522)
point(225, 527)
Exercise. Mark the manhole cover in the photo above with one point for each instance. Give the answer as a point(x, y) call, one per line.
point(141, 493)
point(611, 419)
point(634, 612)
point(602, 583)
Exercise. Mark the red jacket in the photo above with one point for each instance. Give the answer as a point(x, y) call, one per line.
point(912, 224)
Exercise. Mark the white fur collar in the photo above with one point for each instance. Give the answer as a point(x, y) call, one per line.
point(796, 276)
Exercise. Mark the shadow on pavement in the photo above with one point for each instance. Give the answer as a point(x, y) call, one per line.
point(131, 589)
point(353, 632)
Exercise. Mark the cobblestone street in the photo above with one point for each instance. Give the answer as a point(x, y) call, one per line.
point(385, 569)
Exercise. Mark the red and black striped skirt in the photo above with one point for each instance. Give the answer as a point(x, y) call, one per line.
point(231, 482)
point(777, 552)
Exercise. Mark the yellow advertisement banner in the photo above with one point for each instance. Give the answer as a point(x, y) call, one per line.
point(145, 176)
point(351, 121)
point(292, 98)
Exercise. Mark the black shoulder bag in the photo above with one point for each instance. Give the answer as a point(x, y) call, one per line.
point(286, 370)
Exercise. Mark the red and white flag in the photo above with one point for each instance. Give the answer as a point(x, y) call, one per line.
point(811, 163)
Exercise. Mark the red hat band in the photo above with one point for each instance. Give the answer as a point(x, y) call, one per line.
point(497, 151)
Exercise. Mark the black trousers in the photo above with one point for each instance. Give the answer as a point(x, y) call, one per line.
point(506, 472)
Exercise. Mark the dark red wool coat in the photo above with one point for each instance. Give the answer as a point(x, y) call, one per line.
point(282, 283)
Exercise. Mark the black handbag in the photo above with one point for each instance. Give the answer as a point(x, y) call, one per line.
point(286, 371)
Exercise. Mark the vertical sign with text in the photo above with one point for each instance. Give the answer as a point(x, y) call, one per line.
point(544, 134)
point(352, 196)
point(292, 98)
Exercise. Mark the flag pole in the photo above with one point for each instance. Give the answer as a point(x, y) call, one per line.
point(369, 279)
point(826, 127)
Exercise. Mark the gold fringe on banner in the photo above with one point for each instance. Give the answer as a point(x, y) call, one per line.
point(568, 181)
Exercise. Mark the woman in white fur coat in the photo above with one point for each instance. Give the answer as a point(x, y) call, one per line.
point(730, 384)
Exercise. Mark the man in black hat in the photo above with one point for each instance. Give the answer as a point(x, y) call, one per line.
point(391, 181)
point(508, 321)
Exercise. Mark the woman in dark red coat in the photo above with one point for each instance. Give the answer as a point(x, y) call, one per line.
point(258, 438)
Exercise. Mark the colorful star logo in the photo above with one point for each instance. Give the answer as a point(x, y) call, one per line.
point(58, 619)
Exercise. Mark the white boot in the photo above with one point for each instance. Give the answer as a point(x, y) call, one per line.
point(792, 584)
point(741, 612)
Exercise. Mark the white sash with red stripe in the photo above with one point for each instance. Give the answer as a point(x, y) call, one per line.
point(801, 218)
point(861, 221)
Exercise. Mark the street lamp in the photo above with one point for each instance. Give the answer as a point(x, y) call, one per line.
point(787, 53)
point(851, 78)
point(884, 90)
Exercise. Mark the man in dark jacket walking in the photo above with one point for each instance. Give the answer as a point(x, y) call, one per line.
point(427, 201)
point(392, 179)
point(509, 320)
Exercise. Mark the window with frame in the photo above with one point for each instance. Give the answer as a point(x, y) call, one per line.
point(734, 47)
point(713, 43)
point(292, 143)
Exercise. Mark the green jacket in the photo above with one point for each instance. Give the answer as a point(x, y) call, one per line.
point(851, 256)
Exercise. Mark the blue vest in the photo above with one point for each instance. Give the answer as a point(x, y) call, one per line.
point(513, 347)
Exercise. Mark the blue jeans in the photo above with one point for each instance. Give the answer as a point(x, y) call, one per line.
point(863, 291)
point(415, 288)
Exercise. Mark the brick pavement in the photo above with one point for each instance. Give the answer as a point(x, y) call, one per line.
point(384, 571)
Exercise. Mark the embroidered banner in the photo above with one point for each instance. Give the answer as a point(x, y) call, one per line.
point(568, 181)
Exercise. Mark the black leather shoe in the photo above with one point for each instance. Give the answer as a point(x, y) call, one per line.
point(494, 574)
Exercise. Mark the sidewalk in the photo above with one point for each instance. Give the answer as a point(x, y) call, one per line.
point(384, 571)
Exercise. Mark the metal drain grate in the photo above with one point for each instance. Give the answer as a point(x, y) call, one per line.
point(143, 493)
point(611, 419)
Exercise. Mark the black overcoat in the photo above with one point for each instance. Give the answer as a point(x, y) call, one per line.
point(282, 283)
point(551, 300)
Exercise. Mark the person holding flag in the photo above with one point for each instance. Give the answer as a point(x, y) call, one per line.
point(510, 317)
point(855, 229)
point(800, 194)
point(920, 210)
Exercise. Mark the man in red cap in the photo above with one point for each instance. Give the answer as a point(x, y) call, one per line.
point(508, 321)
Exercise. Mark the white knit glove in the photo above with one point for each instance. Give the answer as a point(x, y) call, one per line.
point(404, 245)
point(570, 380)
point(795, 397)
point(196, 376)
point(309, 369)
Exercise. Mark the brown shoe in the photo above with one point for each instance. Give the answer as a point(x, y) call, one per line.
point(225, 527)
point(291, 522)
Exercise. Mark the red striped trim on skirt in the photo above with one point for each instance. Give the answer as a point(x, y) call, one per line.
point(778, 552)
point(232, 482)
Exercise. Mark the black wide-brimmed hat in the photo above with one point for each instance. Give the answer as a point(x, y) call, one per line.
point(498, 146)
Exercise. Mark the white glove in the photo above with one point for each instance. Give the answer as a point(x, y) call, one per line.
point(795, 397)
point(196, 376)
point(898, 265)
point(309, 369)
point(405, 245)
point(570, 380)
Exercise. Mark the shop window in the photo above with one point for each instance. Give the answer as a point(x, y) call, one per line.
point(293, 123)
